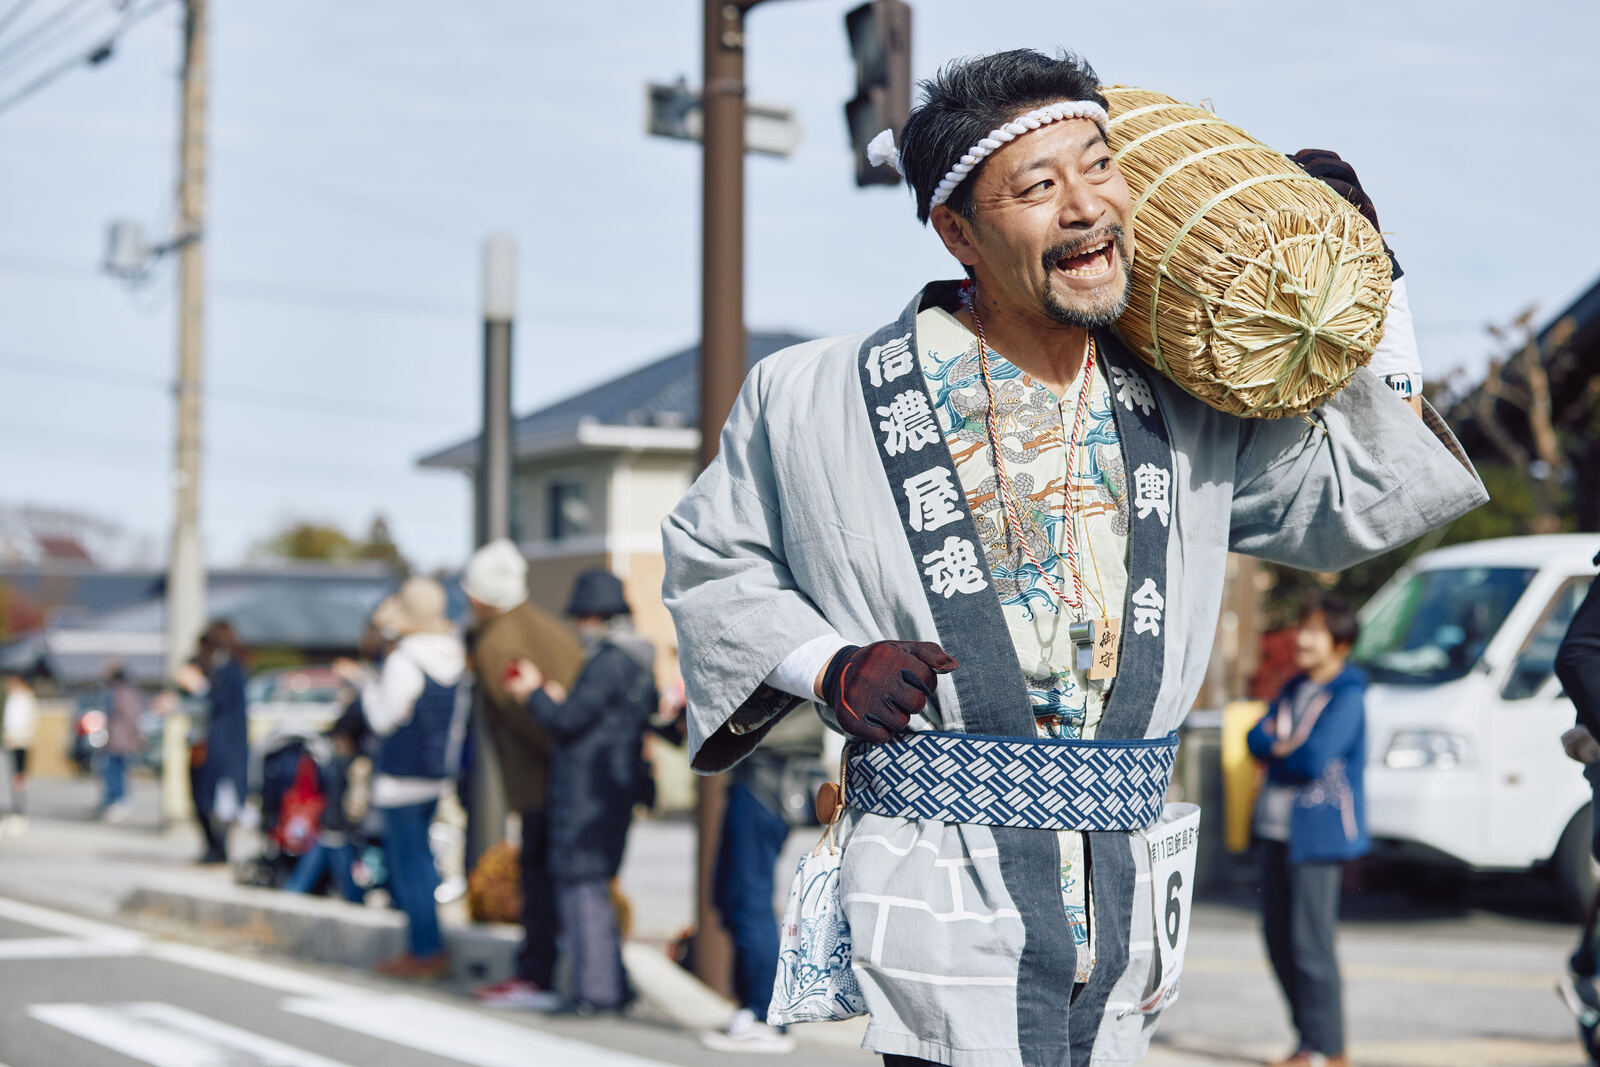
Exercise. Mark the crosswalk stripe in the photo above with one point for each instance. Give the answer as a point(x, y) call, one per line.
point(428, 1026)
point(58, 921)
point(256, 972)
point(56, 948)
point(165, 1035)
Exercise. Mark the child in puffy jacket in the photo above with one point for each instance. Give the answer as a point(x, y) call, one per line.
point(345, 810)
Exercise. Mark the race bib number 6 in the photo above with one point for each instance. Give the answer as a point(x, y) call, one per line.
point(1174, 843)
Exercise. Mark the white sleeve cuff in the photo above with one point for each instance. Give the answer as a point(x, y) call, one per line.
point(1397, 361)
point(798, 672)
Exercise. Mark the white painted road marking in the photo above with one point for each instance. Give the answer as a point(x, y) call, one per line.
point(60, 922)
point(169, 1036)
point(164, 1035)
point(55, 948)
point(256, 972)
point(456, 1034)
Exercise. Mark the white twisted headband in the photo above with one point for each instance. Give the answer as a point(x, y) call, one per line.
point(881, 149)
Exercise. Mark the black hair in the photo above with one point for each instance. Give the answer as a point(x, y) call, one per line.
point(970, 97)
point(351, 725)
point(1337, 616)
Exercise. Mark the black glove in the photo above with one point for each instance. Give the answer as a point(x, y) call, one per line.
point(1340, 176)
point(875, 689)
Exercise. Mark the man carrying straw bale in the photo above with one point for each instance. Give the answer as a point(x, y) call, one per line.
point(988, 543)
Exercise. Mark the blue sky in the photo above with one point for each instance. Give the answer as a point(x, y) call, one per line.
point(361, 150)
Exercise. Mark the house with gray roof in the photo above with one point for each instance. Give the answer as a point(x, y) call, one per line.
point(593, 476)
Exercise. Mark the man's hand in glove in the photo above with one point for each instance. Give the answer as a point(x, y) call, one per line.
point(1340, 177)
point(875, 689)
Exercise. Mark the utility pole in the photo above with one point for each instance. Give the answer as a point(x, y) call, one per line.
point(722, 371)
point(186, 575)
point(486, 796)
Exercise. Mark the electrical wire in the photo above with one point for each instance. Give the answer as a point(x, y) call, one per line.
point(243, 289)
point(11, 16)
point(225, 393)
point(343, 198)
point(92, 57)
point(44, 27)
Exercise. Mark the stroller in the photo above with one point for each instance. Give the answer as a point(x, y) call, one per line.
point(292, 800)
point(295, 787)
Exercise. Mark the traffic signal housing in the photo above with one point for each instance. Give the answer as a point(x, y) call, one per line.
point(880, 40)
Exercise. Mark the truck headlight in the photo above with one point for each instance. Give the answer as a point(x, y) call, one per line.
point(1412, 749)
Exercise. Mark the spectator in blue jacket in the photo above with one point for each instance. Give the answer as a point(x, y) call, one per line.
point(1310, 819)
point(220, 760)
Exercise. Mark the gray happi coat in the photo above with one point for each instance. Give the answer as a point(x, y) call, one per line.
point(798, 530)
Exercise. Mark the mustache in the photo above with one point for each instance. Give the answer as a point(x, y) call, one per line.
point(1068, 249)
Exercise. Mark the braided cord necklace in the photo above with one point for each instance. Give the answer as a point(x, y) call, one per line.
point(1008, 494)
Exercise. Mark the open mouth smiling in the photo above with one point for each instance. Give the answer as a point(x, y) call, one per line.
point(1090, 262)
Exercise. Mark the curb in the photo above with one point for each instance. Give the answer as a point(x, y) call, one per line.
point(319, 929)
point(329, 931)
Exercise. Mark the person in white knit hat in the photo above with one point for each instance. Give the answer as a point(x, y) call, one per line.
point(509, 628)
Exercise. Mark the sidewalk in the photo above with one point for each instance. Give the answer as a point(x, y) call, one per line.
point(1469, 988)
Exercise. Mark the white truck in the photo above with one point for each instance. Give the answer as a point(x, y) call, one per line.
point(1464, 716)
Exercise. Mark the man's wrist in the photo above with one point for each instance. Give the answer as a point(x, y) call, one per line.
point(828, 679)
point(801, 671)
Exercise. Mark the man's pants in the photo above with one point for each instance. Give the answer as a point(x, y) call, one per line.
point(115, 774)
point(752, 837)
point(1299, 913)
point(589, 926)
point(336, 860)
point(537, 961)
point(412, 875)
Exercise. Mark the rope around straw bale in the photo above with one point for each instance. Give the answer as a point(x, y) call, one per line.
point(1263, 290)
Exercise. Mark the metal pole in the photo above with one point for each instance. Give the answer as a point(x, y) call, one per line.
point(494, 461)
point(486, 814)
point(722, 370)
point(186, 577)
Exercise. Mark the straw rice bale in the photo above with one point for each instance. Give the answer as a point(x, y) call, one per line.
point(1255, 286)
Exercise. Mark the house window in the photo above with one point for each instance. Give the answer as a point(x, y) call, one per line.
point(569, 514)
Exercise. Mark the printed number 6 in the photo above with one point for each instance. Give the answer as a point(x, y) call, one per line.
point(1174, 908)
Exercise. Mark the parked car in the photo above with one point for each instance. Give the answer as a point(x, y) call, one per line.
point(303, 699)
point(1465, 769)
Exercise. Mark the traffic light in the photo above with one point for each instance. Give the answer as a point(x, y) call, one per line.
point(880, 40)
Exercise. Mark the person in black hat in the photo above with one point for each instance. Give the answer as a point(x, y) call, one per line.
point(597, 771)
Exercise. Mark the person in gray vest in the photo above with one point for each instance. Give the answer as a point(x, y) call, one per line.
point(597, 774)
point(410, 704)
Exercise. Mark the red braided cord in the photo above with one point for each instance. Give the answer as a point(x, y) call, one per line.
point(1006, 492)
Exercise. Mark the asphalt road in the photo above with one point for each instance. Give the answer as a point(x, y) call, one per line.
point(1465, 982)
point(84, 993)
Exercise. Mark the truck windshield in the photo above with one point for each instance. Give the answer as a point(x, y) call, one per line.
point(1433, 628)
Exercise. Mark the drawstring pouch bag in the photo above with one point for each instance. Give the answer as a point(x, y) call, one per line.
point(814, 982)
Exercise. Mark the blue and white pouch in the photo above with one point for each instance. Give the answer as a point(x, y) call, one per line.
point(814, 982)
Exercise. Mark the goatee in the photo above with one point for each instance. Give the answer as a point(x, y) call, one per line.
point(1098, 310)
